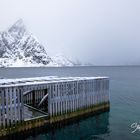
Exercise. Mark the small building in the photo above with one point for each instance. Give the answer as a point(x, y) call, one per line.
point(59, 97)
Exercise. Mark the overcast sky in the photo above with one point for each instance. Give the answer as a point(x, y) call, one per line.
point(101, 32)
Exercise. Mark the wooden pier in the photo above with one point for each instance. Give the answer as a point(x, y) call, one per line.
point(59, 98)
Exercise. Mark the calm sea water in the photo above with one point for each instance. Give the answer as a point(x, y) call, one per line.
point(113, 125)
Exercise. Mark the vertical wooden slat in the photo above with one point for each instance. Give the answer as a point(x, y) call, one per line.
point(3, 106)
point(7, 105)
point(11, 105)
point(0, 107)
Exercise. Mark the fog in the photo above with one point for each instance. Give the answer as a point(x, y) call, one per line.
point(101, 32)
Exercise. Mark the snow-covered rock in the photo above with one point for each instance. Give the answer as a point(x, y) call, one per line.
point(61, 60)
point(19, 48)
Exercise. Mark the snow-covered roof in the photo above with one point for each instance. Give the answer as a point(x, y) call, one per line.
point(42, 80)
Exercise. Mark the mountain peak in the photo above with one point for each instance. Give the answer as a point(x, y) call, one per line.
point(18, 48)
point(18, 29)
point(19, 22)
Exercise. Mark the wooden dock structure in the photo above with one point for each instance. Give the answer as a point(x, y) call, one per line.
point(61, 97)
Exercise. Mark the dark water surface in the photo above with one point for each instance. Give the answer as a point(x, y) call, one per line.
point(113, 125)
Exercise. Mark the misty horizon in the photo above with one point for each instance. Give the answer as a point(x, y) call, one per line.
point(94, 32)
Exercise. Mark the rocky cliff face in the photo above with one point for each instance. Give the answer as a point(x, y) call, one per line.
point(18, 47)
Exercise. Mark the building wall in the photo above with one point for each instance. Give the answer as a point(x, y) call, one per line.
point(65, 97)
point(11, 106)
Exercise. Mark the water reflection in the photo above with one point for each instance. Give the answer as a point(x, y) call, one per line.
point(94, 127)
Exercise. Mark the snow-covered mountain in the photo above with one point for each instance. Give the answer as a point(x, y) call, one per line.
point(19, 48)
point(61, 60)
